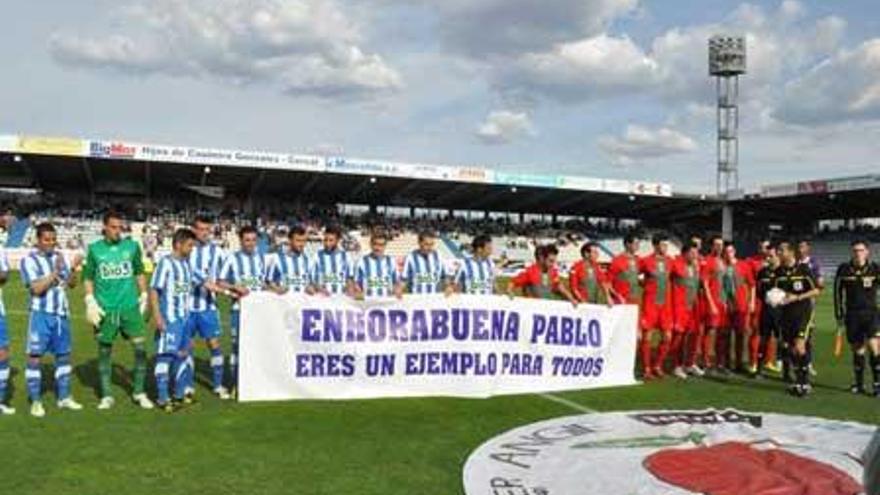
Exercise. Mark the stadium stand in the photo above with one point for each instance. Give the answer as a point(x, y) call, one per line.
point(830, 254)
point(17, 232)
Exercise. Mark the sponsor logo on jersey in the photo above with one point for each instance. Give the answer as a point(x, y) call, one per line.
point(114, 270)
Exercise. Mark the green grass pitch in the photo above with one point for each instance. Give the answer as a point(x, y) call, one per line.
point(405, 446)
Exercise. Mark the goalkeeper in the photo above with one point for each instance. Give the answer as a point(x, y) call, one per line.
point(116, 299)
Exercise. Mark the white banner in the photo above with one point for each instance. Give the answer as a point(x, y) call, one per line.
point(302, 347)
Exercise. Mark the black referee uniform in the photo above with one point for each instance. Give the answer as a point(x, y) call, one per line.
point(796, 318)
point(855, 305)
point(770, 316)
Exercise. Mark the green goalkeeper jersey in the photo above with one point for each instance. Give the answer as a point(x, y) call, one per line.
point(114, 267)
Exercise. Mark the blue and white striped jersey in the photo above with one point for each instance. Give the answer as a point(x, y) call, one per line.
point(249, 270)
point(376, 276)
point(4, 268)
point(331, 271)
point(424, 273)
point(37, 265)
point(205, 261)
point(476, 276)
point(292, 270)
point(173, 281)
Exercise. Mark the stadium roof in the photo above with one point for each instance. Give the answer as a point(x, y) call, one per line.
point(136, 169)
point(130, 168)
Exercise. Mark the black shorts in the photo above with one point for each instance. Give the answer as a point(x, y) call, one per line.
point(769, 325)
point(861, 326)
point(796, 322)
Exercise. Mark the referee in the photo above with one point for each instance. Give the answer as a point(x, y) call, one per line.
point(800, 287)
point(855, 305)
point(768, 325)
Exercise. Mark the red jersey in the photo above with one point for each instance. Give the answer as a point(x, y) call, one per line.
point(757, 262)
point(537, 283)
point(685, 283)
point(738, 283)
point(712, 274)
point(624, 276)
point(586, 279)
point(656, 269)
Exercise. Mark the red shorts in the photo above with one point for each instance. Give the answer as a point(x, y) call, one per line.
point(686, 320)
point(657, 317)
point(718, 320)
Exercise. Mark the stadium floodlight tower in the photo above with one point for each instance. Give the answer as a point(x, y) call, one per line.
point(727, 61)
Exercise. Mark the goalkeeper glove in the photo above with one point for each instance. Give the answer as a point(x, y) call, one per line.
point(94, 313)
point(142, 303)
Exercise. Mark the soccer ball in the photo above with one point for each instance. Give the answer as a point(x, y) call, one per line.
point(775, 297)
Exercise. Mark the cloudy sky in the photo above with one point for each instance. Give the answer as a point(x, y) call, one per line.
point(608, 88)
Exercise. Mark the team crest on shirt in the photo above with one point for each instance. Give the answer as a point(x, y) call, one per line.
point(674, 453)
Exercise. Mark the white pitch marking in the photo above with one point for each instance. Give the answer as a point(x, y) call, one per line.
point(565, 402)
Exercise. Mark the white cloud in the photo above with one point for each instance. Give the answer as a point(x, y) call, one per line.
point(585, 69)
point(639, 144)
point(305, 47)
point(491, 27)
point(503, 126)
point(790, 10)
point(845, 87)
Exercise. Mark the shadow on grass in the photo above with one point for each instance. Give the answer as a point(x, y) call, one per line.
point(120, 376)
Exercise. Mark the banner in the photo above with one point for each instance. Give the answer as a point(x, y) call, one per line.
point(303, 347)
point(56, 146)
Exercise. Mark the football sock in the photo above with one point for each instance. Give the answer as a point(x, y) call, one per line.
point(771, 355)
point(105, 368)
point(645, 352)
point(739, 344)
point(34, 379)
point(181, 375)
point(706, 342)
point(4, 378)
point(217, 367)
point(693, 346)
point(139, 374)
point(802, 368)
point(233, 362)
point(875, 368)
point(786, 360)
point(190, 375)
point(763, 345)
point(663, 350)
point(677, 349)
point(754, 347)
point(722, 348)
point(859, 369)
point(163, 363)
point(62, 376)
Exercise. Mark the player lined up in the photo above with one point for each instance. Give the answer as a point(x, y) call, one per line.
point(685, 301)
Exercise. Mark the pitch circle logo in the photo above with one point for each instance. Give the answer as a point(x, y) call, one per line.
point(673, 453)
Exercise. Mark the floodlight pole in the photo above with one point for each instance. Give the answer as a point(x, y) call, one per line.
point(727, 61)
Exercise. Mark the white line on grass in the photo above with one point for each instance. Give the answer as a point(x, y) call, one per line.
point(565, 402)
